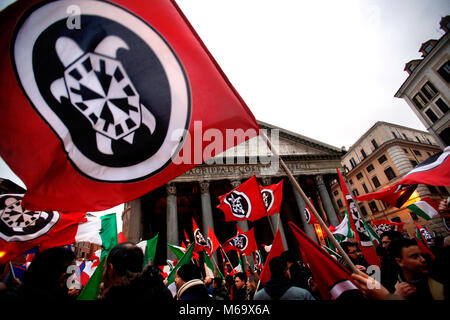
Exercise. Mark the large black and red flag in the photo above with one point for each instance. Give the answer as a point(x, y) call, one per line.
point(244, 243)
point(272, 196)
point(332, 278)
point(22, 229)
point(104, 101)
point(244, 202)
point(309, 216)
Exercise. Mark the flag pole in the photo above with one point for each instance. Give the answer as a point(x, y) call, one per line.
point(313, 209)
point(226, 256)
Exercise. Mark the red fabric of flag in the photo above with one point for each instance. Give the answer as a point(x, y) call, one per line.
point(213, 243)
point(244, 202)
point(90, 120)
point(276, 250)
point(395, 195)
point(22, 230)
point(310, 217)
point(272, 196)
point(332, 278)
point(243, 243)
point(121, 238)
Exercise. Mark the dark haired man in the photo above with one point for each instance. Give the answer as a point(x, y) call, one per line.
point(189, 284)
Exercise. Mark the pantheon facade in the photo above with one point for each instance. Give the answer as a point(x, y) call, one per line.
point(168, 210)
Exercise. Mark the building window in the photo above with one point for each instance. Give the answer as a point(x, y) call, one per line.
point(382, 159)
point(442, 105)
point(365, 188)
point(394, 134)
point(413, 163)
point(336, 193)
point(359, 176)
point(355, 192)
point(373, 207)
point(406, 150)
point(417, 153)
point(390, 174)
point(370, 168)
point(396, 219)
point(418, 139)
point(374, 143)
point(428, 48)
point(405, 136)
point(350, 181)
point(363, 210)
point(431, 115)
point(353, 162)
point(419, 101)
point(376, 182)
point(413, 216)
point(429, 90)
point(363, 153)
point(444, 71)
point(339, 203)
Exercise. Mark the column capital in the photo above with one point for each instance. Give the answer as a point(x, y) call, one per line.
point(204, 186)
point(319, 179)
point(266, 180)
point(171, 189)
point(235, 183)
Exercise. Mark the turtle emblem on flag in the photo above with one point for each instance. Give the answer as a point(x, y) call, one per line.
point(239, 203)
point(19, 224)
point(307, 214)
point(117, 99)
point(240, 242)
point(268, 198)
point(209, 244)
point(199, 239)
point(359, 223)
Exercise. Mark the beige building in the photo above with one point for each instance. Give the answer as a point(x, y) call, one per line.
point(427, 90)
point(380, 158)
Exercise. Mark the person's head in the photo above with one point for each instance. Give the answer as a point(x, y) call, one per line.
point(252, 282)
point(218, 283)
point(278, 268)
point(123, 261)
point(48, 270)
point(352, 250)
point(290, 257)
point(207, 281)
point(388, 236)
point(185, 273)
point(240, 280)
point(409, 258)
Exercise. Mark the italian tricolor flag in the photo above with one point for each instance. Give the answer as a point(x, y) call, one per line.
point(423, 209)
point(103, 230)
point(149, 249)
point(342, 231)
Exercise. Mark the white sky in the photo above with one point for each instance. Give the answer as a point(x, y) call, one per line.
point(325, 69)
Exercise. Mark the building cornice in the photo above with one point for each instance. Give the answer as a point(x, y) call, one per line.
point(442, 41)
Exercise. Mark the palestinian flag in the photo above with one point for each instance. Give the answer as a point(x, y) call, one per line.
point(149, 249)
point(423, 209)
point(342, 231)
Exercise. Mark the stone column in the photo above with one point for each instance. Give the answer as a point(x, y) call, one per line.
point(276, 218)
point(207, 215)
point(172, 219)
point(326, 200)
point(403, 166)
point(308, 228)
point(134, 232)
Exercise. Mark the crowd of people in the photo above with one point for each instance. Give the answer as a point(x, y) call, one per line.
point(406, 274)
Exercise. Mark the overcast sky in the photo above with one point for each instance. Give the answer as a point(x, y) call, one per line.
point(325, 69)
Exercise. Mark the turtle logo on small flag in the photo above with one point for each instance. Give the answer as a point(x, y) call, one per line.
point(268, 198)
point(240, 242)
point(239, 203)
point(113, 92)
point(199, 239)
point(19, 224)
